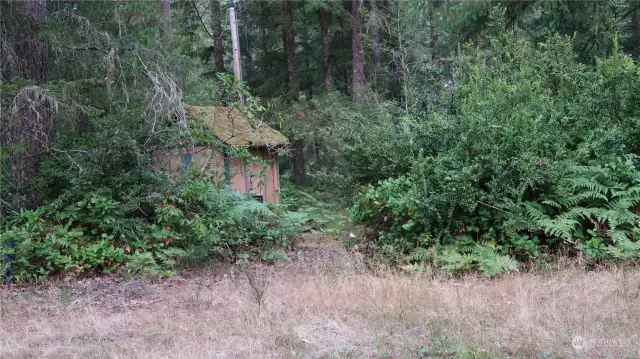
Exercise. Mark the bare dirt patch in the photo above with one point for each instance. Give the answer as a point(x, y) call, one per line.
point(325, 304)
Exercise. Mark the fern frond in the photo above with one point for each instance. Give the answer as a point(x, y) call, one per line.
point(624, 250)
point(588, 195)
point(575, 214)
point(536, 214)
point(419, 254)
point(562, 228)
point(552, 203)
point(451, 261)
point(248, 209)
point(619, 236)
point(590, 184)
point(624, 202)
point(495, 264)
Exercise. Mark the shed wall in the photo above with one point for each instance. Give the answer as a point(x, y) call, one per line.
point(245, 177)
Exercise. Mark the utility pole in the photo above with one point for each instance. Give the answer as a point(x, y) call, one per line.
point(237, 69)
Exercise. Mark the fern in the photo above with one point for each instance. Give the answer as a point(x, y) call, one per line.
point(620, 236)
point(420, 255)
point(604, 196)
point(454, 259)
point(582, 196)
point(552, 203)
point(248, 209)
point(491, 263)
point(624, 250)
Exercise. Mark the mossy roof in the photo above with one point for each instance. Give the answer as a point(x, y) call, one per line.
point(230, 126)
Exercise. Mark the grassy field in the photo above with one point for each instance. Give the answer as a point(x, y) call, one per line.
point(324, 304)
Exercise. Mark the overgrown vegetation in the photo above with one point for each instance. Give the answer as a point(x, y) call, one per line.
point(470, 136)
point(99, 232)
point(535, 153)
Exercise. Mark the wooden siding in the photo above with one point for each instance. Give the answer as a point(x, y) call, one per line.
point(245, 177)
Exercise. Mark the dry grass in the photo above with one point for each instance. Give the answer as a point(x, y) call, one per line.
point(330, 312)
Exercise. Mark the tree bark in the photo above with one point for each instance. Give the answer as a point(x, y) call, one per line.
point(218, 49)
point(433, 33)
point(290, 49)
point(307, 62)
point(288, 38)
point(167, 27)
point(635, 34)
point(375, 34)
point(31, 49)
point(345, 70)
point(326, 67)
point(299, 169)
point(265, 46)
point(357, 50)
point(29, 126)
point(248, 69)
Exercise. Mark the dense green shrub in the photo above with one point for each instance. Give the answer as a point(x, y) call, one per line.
point(101, 204)
point(393, 210)
point(523, 160)
point(100, 232)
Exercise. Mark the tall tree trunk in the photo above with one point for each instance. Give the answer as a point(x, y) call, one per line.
point(167, 27)
point(345, 70)
point(635, 34)
point(433, 34)
point(29, 126)
point(375, 34)
point(326, 67)
point(218, 49)
point(288, 37)
point(248, 69)
point(307, 62)
point(357, 50)
point(265, 51)
point(31, 49)
point(266, 65)
point(299, 169)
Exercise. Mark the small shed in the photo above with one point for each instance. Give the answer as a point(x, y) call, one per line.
point(259, 178)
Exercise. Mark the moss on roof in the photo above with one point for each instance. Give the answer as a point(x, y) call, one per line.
point(230, 126)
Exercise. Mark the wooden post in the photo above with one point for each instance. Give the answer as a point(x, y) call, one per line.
point(237, 69)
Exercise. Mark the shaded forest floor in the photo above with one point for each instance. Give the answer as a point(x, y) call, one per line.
point(324, 303)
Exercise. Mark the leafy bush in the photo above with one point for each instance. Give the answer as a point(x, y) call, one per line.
point(102, 208)
point(391, 208)
point(99, 233)
point(526, 155)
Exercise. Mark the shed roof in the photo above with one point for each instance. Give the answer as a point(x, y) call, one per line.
point(230, 126)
